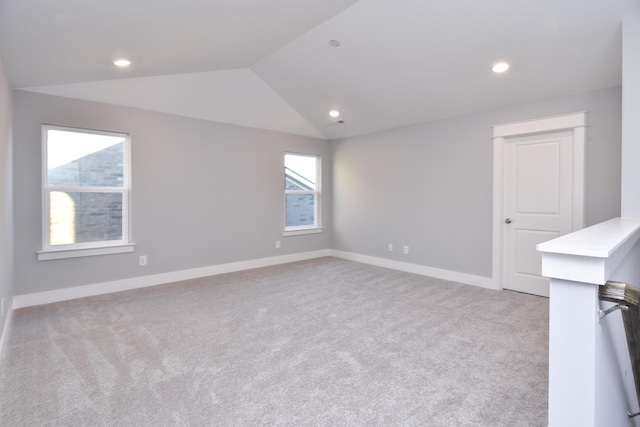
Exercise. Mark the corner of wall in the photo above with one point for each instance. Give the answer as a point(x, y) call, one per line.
point(6, 207)
point(4, 332)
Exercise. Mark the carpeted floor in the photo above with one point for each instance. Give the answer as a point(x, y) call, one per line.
point(325, 342)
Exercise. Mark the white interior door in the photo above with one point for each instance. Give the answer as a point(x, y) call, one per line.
point(538, 204)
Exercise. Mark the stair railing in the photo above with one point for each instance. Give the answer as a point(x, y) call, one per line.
point(626, 298)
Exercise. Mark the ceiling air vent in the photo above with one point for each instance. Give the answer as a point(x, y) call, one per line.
point(335, 122)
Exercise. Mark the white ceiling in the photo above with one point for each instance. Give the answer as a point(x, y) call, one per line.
point(268, 64)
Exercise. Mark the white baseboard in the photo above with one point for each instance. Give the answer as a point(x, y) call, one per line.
point(453, 276)
point(4, 337)
point(47, 297)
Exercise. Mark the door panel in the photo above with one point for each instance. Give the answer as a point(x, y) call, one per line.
point(536, 192)
point(529, 261)
point(538, 175)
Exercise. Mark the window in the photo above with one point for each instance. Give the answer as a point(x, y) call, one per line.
point(85, 192)
point(302, 193)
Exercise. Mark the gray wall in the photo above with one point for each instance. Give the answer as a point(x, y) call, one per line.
point(204, 193)
point(429, 186)
point(6, 205)
point(631, 116)
point(207, 193)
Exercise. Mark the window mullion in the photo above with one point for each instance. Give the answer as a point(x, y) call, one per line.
point(87, 189)
point(300, 192)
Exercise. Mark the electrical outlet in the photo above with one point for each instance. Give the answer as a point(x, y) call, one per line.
point(143, 260)
point(277, 244)
point(405, 250)
point(390, 247)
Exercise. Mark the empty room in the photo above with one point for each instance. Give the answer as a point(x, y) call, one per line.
point(305, 213)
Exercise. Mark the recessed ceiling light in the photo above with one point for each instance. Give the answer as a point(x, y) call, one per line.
point(334, 113)
point(122, 62)
point(334, 43)
point(500, 67)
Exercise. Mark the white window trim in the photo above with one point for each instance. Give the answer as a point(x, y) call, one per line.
point(296, 231)
point(77, 253)
point(317, 226)
point(75, 250)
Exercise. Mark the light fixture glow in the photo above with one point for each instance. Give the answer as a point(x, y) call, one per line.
point(334, 113)
point(500, 67)
point(122, 62)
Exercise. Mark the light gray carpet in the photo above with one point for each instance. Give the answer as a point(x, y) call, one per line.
point(325, 342)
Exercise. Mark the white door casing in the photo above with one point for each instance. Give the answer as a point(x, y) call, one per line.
point(543, 195)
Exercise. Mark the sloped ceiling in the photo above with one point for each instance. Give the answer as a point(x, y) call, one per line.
point(235, 96)
point(269, 64)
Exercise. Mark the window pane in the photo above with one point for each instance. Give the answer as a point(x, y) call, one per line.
point(300, 209)
point(300, 172)
point(84, 159)
point(84, 217)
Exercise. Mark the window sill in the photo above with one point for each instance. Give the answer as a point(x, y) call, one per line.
point(300, 231)
point(77, 253)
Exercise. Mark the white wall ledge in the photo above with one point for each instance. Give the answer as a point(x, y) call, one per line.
point(590, 255)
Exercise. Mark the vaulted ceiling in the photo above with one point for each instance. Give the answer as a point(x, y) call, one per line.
point(270, 64)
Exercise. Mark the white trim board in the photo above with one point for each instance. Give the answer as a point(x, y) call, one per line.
point(47, 297)
point(544, 124)
point(452, 276)
point(4, 338)
point(576, 123)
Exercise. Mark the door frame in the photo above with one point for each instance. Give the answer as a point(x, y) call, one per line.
point(576, 123)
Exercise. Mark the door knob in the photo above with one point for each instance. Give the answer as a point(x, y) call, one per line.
point(507, 221)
